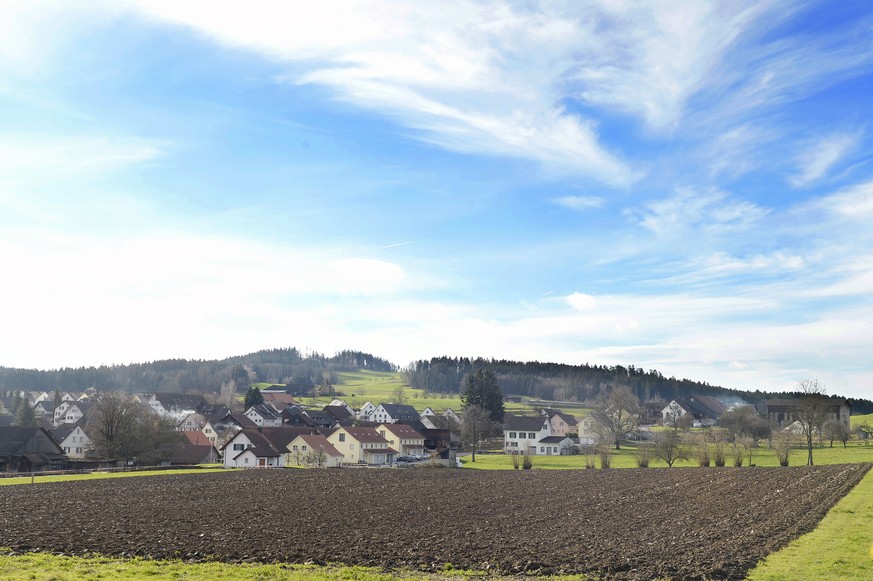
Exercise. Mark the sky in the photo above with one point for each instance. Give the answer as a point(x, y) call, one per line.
point(680, 186)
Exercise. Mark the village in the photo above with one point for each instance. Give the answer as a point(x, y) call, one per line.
point(282, 432)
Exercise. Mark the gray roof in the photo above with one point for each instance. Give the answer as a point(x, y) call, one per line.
point(180, 401)
point(524, 423)
point(400, 411)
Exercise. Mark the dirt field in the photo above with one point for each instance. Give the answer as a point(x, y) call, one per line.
point(624, 524)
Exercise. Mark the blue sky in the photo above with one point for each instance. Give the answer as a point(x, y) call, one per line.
point(679, 186)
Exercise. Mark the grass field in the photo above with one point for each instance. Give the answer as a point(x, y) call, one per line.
point(858, 420)
point(624, 458)
point(841, 547)
point(45, 567)
point(360, 387)
point(101, 475)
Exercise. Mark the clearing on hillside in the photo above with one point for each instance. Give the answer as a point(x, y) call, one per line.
point(713, 523)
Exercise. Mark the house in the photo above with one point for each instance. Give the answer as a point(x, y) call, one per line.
point(782, 412)
point(27, 449)
point(339, 402)
point(195, 449)
point(44, 409)
point(522, 434)
point(439, 423)
point(340, 414)
point(392, 413)
point(362, 446)
point(219, 429)
point(296, 416)
point(428, 411)
point(279, 401)
point(73, 440)
point(260, 447)
point(449, 413)
point(73, 412)
point(264, 415)
point(313, 450)
point(193, 422)
point(703, 409)
point(562, 424)
point(321, 419)
point(403, 438)
point(556, 445)
point(174, 405)
point(366, 411)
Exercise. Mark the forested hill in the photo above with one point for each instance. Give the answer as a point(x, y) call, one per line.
point(556, 381)
point(175, 375)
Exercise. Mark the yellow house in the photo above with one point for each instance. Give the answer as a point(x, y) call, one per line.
point(405, 439)
point(362, 446)
point(312, 450)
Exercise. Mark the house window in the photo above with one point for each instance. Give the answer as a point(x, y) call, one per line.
point(247, 460)
point(342, 437)
point(239, 447)
point(293, 447)
point(542, 449)
point(531, 435)
point(511, 434)
point(303, 448)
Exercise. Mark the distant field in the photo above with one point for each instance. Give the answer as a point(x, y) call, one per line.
point(378, 387)
point(624, 458)
point(858, 420)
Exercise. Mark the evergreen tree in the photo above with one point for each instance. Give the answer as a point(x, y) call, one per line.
point(481, 389)
point(57, 397)
point(25, 416)
point(253, 397)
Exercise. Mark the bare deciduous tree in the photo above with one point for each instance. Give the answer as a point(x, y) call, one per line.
point(476, 424)
point(616, 415)
point(113, 425)
point(781, 443)
point(813, 409)
point(836, 430)
point(669, 447)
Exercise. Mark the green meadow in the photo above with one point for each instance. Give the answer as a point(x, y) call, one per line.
point(39, 479)
point(841, 547)
point(626, 458)
point(359, 387)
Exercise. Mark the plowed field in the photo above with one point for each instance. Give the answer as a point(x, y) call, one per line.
point(625, 524)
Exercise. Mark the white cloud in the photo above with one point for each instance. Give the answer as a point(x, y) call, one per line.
point(580, 203)
point(471, 77)
point(815, 162)
point(855, 202)
point(687, 208)
point(581, 301)
point(34, 158)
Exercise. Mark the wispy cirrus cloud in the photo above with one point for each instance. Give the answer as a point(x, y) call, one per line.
point(580, 203)
point(688, 209)
point(820, 157)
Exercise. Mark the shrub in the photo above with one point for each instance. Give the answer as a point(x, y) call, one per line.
point(514, 459)
point(605, 453)
point(642, 456)
point(527, 461)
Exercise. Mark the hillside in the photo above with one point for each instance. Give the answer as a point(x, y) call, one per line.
point(286, 366)
point(561, 382)
point(438, 375)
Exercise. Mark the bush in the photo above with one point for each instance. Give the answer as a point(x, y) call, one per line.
point(527, 461)
point(605, 453)
point(642, 456)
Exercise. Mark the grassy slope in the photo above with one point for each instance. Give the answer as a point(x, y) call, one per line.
point(858, 420)
point(841, 547)
point(379, 387)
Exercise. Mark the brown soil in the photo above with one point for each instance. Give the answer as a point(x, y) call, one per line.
point(712, 523)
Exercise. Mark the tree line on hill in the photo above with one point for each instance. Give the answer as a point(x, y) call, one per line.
point(281, 366)
point(583, 383)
